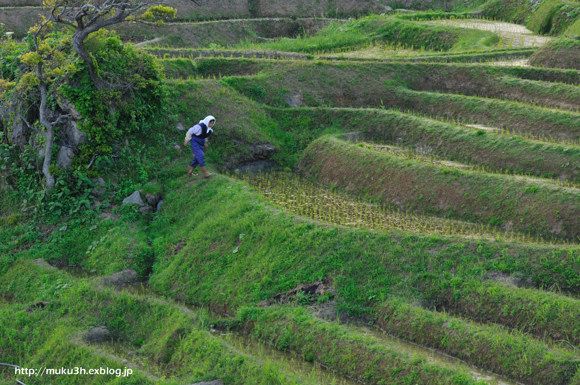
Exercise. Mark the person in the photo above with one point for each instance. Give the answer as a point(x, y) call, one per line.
point(197, 137)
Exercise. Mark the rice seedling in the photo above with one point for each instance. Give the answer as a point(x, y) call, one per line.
point(305, 198)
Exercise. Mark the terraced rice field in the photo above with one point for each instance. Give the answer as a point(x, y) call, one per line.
point(512, 35)
point(418, 222)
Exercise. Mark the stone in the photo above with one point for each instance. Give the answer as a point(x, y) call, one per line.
point(65, 157)
point(295, 100)
point(74, 136)
point(145, 209)
point(262, 151)
point(255, 167)
point(134, 199)
point(97, 334)
point(20, 133)
point(42, 263)
point(121, 279)
point(99, 189)
point(152, 199)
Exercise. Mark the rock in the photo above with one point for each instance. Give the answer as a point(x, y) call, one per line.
point(37, 305)
point(295, 100)
point(134, 199)
point(214, 382)
point(69, 107)
point(65, 157)
point(256, 167)
point(152, 199)
point(263, 151)
point(159, 205)
point(20, 133)
point(97, 334)
point(74, 136)
point(121, 279)
point(99, 189)
point(145, 209)
point(42, 263)
point(509, 280)
point(109, 216)
point(179, 126)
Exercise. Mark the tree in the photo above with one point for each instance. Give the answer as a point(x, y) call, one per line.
point(86, 17)
point(50, 61)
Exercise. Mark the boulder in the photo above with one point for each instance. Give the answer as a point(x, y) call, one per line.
point(97, 334)
point(74, 136)
point(295, 100)
point(152, 199)
point(65, 157)
point(121, 279)
point(99, 189)
point(255, 167)
point(262, 151)
point(134, 199)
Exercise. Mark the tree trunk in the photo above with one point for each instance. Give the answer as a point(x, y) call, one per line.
point(44, 119)
point(78, 44)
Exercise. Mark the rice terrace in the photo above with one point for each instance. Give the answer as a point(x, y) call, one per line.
point(325, 192)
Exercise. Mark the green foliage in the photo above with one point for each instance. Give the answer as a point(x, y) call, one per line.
point(165, 334)
point(546, 315)
point(131, 107)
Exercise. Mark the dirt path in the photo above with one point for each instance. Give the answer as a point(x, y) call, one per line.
point(513, 35)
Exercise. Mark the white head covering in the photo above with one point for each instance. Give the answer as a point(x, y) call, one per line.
point(206, 120)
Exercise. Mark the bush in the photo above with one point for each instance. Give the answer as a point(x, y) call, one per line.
point(132, 106)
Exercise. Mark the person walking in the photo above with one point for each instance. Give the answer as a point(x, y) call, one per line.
point(197, 136)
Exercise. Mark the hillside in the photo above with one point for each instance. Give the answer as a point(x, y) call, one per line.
point(395, 196)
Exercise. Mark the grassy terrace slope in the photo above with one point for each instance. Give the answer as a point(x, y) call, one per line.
point(163, 342)
point(220, 32)
point(338, 85)
point(431, 189)
point(417, 223)
point(491, 150)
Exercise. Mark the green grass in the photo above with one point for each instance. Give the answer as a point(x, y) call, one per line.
point(339, 85)
point(545, 17)
point(237, 254)
point(543, 314)
point(168, 340)
point(512, 354)
point(354, 355)
point(561, 53)
point(385, 29)
point(493, 151)
point(496, 200)
point(302, 197)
